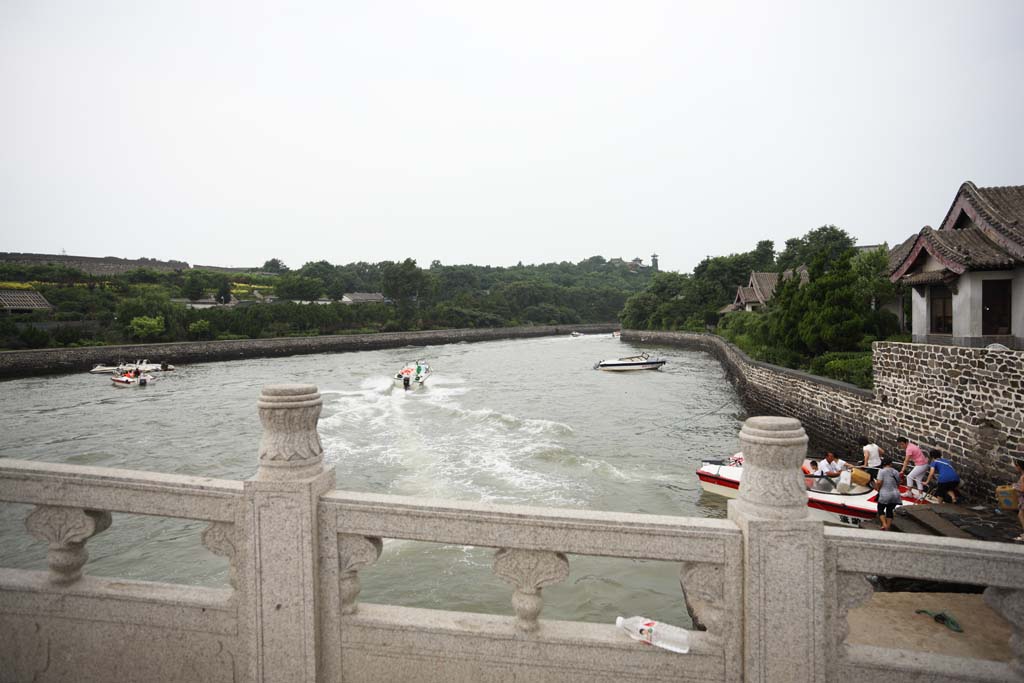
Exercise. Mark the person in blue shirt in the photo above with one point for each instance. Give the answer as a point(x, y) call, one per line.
point(946, 479)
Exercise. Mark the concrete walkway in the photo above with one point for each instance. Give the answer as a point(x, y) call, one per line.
point(888, 620)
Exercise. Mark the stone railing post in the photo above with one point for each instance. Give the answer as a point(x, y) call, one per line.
point(66, 530)
point(277, 573)
point(783, 557)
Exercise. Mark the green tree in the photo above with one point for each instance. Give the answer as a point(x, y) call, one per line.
point(200, 329)
point(827, 242)
point(146, 328)
point(193, 287)
point(299, 288)
point(274, 265)
point(224, 290)
point(402, 283)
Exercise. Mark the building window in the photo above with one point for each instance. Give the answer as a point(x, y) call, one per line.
point(995, 306)
point(941, 307)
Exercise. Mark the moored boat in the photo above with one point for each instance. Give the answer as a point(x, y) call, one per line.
point(642, 361)
point(413, 374)
point(121, 368)
point(130, 380)
point(833, 502)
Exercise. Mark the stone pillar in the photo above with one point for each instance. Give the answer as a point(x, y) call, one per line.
point(783, 557)
point(278, 577)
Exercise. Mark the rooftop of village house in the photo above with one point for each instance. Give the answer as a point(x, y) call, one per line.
point(983, 230)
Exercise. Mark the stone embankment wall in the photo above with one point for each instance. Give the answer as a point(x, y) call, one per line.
point(105, 265)
point(967, 402)
point(56, 361)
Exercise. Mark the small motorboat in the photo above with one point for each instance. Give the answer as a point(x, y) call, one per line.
point(413, 374)
point(575, 334)
point(101, 369)
point(833, 500)
point(131, 380)
point(640, 362)
point(121, 368)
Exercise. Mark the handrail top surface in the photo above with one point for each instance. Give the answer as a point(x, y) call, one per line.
point(100, 476)
point(910, 543)
point(528, 514)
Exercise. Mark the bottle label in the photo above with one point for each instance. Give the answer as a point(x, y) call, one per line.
point(646, 632)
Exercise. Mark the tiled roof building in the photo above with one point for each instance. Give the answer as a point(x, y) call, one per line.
point(22, 301)
point(761, 288)
point(968, 275)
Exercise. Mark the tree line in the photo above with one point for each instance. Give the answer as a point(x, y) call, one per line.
point(139, 306)
point(825, 326)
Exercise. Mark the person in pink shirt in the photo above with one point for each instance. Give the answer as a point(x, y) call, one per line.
point(913, 454)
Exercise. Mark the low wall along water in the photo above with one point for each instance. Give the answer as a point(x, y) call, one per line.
point(57, 361)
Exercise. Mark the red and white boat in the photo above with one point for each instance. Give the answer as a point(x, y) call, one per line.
point(827, 499)
point(129, 380)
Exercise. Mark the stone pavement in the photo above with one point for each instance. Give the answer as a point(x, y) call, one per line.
point(889, 620)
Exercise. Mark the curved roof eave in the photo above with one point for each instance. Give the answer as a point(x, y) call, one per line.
point(923, 243)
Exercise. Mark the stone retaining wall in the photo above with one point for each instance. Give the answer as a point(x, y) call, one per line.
point(56, 361)
point(968, 402)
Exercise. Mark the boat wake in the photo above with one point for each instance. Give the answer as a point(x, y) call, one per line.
point(428, 443)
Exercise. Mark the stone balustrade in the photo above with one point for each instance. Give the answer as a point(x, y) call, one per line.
point(771, 587)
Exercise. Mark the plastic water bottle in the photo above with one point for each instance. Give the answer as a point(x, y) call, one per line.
point(656, 633)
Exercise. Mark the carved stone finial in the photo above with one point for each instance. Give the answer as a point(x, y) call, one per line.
point(290, 447)
point(529, 571)
point(1009, 604)
point(219, 539)
point(354, 553)
point(66, 530)
point(772, 486)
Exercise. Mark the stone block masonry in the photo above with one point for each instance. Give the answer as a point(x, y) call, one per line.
point(56, 361)
point(967, 402)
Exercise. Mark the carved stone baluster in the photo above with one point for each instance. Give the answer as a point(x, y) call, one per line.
point(703, 592)
point(852, 590)
point(66, 529)
point(1009, 604)
point(354, 553)
point(529, 571)
point(219, 539)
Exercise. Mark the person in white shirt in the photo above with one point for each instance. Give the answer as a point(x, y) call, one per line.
point(872, 453)
point(831, 466)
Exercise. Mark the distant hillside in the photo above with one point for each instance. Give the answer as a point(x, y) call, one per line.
point(106, 265)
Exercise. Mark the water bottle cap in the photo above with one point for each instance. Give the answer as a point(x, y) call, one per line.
point(618, 621)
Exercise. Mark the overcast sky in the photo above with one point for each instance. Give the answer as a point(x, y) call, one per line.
point(229, 133)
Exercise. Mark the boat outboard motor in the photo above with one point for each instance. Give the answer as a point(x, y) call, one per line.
point(142, 381)
point(406, 382)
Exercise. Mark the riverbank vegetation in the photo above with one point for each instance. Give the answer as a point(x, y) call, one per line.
point(150, 306)
point(825, 326)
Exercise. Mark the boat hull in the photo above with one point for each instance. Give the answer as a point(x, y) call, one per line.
point(624, 367)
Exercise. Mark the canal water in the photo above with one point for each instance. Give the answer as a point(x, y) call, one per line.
point(511, 422)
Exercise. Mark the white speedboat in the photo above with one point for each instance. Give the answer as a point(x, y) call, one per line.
point(575, 334)
point(130, 380)
point(640, 362)
point(101, 369)
point(833, 502)
point(121, 368)
point(413, 374)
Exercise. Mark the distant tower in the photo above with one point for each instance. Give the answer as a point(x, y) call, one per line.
point(654, 262)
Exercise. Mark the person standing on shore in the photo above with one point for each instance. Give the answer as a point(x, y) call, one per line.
point(888, 486)
point(913, 454)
